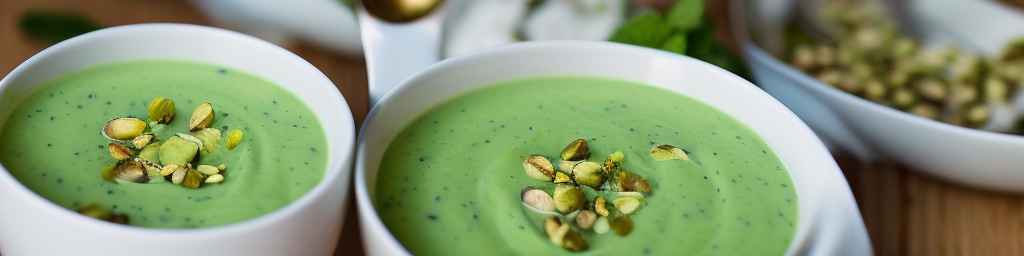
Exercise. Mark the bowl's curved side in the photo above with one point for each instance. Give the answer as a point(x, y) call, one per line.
point(828, 214)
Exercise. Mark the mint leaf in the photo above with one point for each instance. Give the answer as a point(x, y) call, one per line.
point(648, 30)
point(686, 14)
point(676, 44)
point(54, 26)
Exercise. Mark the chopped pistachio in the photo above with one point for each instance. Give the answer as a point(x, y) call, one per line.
point(234, 138)
point(803, 57)
point(150, 153)
point(601, 226)
point(830, 76)
point(207, 169)
point(925, 110)
point(109, 172)
point(537, 200)
point(576, 150)
point(161, 110)
point(97, 212)
point(585, 219)
point(210, 138)
point(995, 90)
point(664, 152)
point(202, 117)
point(875, 91)
point(123, 128)
point(179, 175)
point(192, 139)
point(600, 206)
point(977, 115)
point(567, 165)
point(613, 162)
point(539, 168)
point(626, 205)
point(118, 151)
point(562, 235)
point(573, 241)
point(131, 171)
point(222, 167)
point(622, 225)
point(193, 179)
point(141, 141)
point(216, 178)
point(588, 173)
point(931, 89)
point(568, 198)
point(628, 181)
point(169, 169)
point(903, 98)
point(177, 151)
point(562, 177)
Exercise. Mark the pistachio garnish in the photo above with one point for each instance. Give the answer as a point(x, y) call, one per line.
point(210, 138)
point(222, 167)
point(576, 151)
point(150, 153)
point(585, 219)
point(538, 201)
point(192, 139)
point(141, 141)
point(601, 226)
point(177, 151)
point(131, 171)
point(207, 169)
point(622, 225)
point(216, 178)
point(179, 175)
point(118, 151)
point(193, 179)
point(600, 206)
point(108, 172)
point(169, 169)
point(626, 205)
point(627, 181)
point(568, 198)
point(588, 173)
point(562, 177)
point(123, 128)
point(562, 235)
point(664, 152)
point(234, 138)
point(567, 165)
point(161, 110)
point(538, 167)
point(97, 212)
point(202, 117)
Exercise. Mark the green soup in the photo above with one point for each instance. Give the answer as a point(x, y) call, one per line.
point(451, 181)
point(52, 142)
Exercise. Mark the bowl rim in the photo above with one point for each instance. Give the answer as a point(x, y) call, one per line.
point(338, 157)
point(366, 208)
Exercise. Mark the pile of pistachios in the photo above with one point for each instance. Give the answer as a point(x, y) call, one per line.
point(870, 58)
point(570, 213)
point(142, 157)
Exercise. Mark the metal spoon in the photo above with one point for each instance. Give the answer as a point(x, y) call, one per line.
point(400, 38)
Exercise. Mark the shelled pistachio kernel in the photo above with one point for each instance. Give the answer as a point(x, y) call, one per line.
point(627, 205)
point(123, 128)
point(977, 115)
point(108, 172)
point(601, 226)
point(179, 175)
point(150, 153)
point(995, 90)
point(568, 198)
point(830, 77)
point(622, 225)
point(562, 177)
point(168, 169)
point(234, 137)
point(539, 168)
point(561, 234)
point(585, 219)
point(161, 110)
point(961, 94)
point(664, 152)
point(875, 91)
point(222, 167)
point(576, 150)
point(207, 169)
point(118, 151)
point(537, 200)
point(588, 173)
point(131, 171)
point(96, 212)
point(628, 181)
point(567, 165)
point(210, 138)
point(803, 57)
point(931, 89)
point(178, 151)
point(202, 117)
point(193, 179)
point(140, 142)
point(216, 178)
point(601, 206)
point(925, 110)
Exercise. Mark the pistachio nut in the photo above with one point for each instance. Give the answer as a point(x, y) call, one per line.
point(539, 168)
point(668, 152)
point(925, 110)
point(234, 137)
point(538, 201)
point(803, 57)
point(588, 173)
point(97, 212)
point(622, 225)
point(830, 76)
point(140, 142)
point(150, 153)
point(179, 175)
point(977, 115)
point(123, 128)
point(995, 90)
point(561, 234)
point(207, 169)
point(161, 110)
point(601, 226)
point(118, 151)
point(222, 167)
point(600, 206)
point(626, 205)
point(177, 151)
point(562, 177)
point(628, 181)
point(568, 198)
point(202, 117)
point(875, 91)
point(169, 169)
point(213, 179)
point(193, 179)
point(567, 165)
point(931, 89)
point(585, 219)
point(131, 171)
point(210, 138)
point(576, 150)
point(902, 98)
point(108, 172)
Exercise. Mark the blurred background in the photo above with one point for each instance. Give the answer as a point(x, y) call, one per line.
point(954, 63)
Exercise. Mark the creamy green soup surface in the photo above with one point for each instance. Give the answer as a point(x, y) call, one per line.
point(52, 142)
point(451, 181)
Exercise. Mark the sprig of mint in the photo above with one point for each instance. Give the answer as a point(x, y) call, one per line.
point(53, 26)
point(683, 30)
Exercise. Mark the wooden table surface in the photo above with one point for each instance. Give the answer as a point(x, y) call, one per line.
point(906, 213)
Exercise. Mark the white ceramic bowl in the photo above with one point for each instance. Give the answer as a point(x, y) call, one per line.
point(31, 225)
point(871, 131)
point(829, 223)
